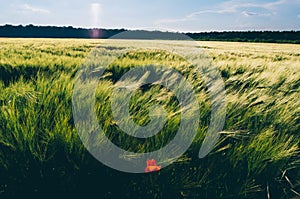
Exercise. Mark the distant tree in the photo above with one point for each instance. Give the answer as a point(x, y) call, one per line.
point(31, 31)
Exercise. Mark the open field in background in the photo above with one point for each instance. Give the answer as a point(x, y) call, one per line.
point(257, 155)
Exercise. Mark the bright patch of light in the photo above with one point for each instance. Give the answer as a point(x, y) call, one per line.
point(95, 10)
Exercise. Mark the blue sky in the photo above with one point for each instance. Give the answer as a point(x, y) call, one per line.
point(172, 15)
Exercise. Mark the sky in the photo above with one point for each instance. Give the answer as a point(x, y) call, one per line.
point(166, 15)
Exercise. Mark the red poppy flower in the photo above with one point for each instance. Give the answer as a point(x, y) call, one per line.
point(151, 166)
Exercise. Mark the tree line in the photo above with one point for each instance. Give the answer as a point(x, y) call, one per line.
point(31, 31)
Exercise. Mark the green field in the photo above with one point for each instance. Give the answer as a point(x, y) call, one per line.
point(257, 155)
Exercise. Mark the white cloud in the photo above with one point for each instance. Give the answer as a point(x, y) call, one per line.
point(236, 4)
point(249, 14)
point(193, 16)
point(298, 16)
point(222, 11)
point(29, 8)
point(231, 7)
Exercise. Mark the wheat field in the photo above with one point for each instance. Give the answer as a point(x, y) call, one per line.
point(257, 155)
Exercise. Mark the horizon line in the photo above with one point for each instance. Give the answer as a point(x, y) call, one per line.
point(149, 29)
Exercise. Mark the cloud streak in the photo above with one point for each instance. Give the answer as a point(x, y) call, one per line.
point(29, 8)
point(231, 7)
point(235, 5)
point(251, 14)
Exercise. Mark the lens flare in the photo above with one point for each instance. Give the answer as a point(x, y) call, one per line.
point(95, 10)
